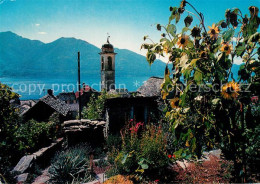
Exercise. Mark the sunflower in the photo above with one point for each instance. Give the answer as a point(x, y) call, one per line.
point(183, 41)
point(230, 90)
point(164, 94)
point(213, 31)
point(226, 47)
point(203, 54)
point(175, 102)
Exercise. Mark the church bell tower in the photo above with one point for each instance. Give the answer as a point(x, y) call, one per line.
point(107, 57)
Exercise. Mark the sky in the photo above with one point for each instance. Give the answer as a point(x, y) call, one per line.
point(126, 21)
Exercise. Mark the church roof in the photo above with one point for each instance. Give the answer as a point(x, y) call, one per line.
point(108, 46)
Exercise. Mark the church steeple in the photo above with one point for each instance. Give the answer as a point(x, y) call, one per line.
point(107, 57)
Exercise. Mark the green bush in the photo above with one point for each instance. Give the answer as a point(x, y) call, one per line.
point(113, 141)
point(95, 107)
point(32, 135)
point(9, 122)
point(143, 152)
point(71, 165)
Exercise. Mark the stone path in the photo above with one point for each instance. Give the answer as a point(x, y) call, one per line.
point(44, 178)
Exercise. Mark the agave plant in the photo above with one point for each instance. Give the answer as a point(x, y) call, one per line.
point(71, 164)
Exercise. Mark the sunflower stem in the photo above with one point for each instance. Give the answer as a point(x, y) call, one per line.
point(200, 14)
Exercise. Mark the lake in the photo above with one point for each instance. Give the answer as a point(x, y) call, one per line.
point(35, 88)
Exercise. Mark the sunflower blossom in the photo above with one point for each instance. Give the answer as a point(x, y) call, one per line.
point(175, 102)
point(213, 31)
point(230, 90)
point(183, 41)
point(226, 47)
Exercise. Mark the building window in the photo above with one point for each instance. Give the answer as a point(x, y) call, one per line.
point(102, 63)
point(109, 63)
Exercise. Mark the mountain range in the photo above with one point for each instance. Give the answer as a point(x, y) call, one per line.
point(22, 57)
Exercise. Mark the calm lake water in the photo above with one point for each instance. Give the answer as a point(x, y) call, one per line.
point(32, 88)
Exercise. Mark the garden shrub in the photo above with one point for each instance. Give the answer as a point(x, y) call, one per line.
point(113, 142)
point(143, 153)
point(9, 122)
point(32, 135)
point(72, 164)
point(95, 107)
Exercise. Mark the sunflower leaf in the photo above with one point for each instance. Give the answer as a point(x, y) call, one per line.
point(185, 29)
point(150, 57)
point(215, 101)
point(240, 48)
point(254, 38)
point(173, 15)
point(228, 34)
point(198, 76)
point(171, 29)
point(177, 19)
point(221, 57)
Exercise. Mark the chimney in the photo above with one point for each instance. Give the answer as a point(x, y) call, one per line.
point(84, 86)
point(50, 92)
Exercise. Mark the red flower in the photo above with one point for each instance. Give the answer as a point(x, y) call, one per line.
point(136, 127)
point(156, 181)
point(254, 99)
point(169, 156)
point(174, 156)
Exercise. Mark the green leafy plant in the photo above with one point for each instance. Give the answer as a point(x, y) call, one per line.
point(95, 107)
point(113, 142)
point(71, 165)
point(9, 122)
point(143, 153)
point(31, 135)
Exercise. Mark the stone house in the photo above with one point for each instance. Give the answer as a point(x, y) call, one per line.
point(67, 97)
point(120, 110)
point(45, 107)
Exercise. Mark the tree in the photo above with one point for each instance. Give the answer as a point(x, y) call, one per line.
point(9, 121)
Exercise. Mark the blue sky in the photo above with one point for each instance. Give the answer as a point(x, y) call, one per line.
point(127, 21)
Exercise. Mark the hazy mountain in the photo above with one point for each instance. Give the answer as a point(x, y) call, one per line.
point(21, 57)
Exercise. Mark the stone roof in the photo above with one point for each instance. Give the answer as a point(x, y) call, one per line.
point(74, 107)
point(55, 103)
point(152, 87)
point(25, 105)
point(65, 96)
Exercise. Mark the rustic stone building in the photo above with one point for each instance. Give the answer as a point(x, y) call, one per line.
point(45, 107)
point(67, 97)
point(122, 109)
